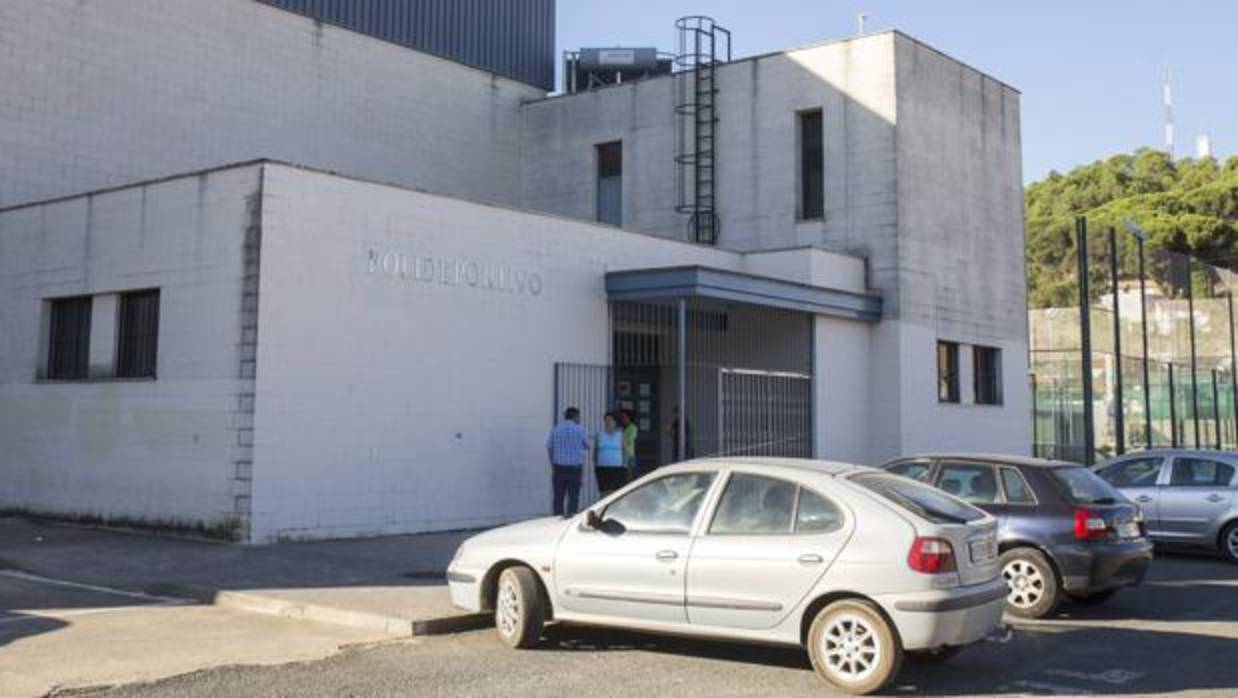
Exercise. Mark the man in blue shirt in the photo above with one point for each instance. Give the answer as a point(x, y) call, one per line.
point(566, 447)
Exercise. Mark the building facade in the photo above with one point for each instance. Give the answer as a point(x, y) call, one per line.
point(367, 325)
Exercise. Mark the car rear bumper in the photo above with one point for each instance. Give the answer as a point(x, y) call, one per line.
point(1101, 566)
point(947, 618)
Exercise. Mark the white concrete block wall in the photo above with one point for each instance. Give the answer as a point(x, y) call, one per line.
point(98, 94)
point(960, 270)
point(392, 404)
point(851, 81)
point(154, 450)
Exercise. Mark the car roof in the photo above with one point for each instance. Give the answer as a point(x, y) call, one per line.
point(1002, 458)
point(1210, 452)
point(824, 467)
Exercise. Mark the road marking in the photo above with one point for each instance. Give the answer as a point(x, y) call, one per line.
point(1113, 677)
point(1195, 583)
point(36, 579)
point(1056, 689)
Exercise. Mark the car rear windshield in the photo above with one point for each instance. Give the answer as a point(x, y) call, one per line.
point(922, 500)
point(1084, 487)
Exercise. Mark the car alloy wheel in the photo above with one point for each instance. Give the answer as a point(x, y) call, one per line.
point(850, 648)
point(854, 647)
point(1026, 582)
point(507, 608)
point(1230, 547)
point(520, 607)
point(1033, 590)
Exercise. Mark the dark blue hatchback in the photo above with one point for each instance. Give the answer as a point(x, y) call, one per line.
point(1062, 531)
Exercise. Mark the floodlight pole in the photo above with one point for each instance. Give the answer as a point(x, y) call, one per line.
point(1085, 328)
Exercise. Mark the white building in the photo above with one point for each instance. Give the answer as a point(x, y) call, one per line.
point(367, 325)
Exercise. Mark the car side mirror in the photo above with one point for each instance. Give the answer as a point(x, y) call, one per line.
point(592, 519)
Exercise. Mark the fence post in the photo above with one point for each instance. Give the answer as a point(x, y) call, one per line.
point(1190, 309)
point(1085, 328)
point(1143, 313)
point(1120, 403)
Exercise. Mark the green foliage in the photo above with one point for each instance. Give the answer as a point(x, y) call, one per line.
point(1189, 206)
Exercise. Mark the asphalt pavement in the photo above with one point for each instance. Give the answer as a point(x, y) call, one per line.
point(1177, 634)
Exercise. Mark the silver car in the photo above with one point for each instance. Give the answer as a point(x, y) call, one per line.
point(1187, 496)
point(856, 564)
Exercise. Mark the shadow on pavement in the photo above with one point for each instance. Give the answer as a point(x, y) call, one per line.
point(16, 626)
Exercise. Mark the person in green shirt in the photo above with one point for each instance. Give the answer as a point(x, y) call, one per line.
point(630, 431)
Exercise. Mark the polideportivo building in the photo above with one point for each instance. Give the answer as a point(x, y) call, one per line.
point(269, 276)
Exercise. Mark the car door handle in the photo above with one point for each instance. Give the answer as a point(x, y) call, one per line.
point(1143, 498)
point(667, 555)
point(810, 559)
point(1214, 498)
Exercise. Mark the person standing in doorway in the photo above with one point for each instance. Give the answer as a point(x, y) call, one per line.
point(608, 456)
point(630, 432)
point(566, 446)
point(690, 452)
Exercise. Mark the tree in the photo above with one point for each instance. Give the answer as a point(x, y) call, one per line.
point(1189, 206)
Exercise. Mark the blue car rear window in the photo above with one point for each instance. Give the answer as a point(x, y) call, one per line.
point(1082, 486)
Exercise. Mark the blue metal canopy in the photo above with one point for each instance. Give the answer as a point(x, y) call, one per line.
point(707, 282)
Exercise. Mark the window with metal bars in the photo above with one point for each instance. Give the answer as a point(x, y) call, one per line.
point(987, 375)
point(68, 346)
point(138, 334)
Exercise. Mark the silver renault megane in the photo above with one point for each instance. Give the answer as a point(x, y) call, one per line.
point(856, 564)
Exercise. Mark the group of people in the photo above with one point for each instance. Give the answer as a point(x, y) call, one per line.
point(614, 456)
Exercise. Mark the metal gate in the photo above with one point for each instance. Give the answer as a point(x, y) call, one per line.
point(764, 413)
point(587, 387)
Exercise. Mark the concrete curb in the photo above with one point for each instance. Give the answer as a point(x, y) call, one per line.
point(394, 626)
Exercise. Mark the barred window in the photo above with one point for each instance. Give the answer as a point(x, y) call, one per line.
point(68, 346)
point(138, 334)
point(988, 375)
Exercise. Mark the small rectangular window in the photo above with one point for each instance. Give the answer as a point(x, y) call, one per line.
point(812, 165)
point(947, 371)
point(138, 331)
point(68, 352)
point(987, 376)
point(610, 183)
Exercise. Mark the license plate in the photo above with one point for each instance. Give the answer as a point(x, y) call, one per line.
point(981, 550)
point(1130, 529)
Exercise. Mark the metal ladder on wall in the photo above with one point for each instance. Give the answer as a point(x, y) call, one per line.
point(702, 43)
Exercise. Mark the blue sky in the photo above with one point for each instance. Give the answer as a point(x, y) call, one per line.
point(1089, 72)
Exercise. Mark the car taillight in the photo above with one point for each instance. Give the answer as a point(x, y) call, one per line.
point(1090, 525)
point(932, 556)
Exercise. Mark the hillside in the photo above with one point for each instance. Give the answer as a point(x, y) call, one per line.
point(1185, 206)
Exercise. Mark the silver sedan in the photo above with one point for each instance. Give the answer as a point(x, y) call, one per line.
point(856, 564)
point(1188, 497)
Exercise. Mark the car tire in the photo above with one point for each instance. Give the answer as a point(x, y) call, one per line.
point(519, 608)
point(1032, 583)
point(1092, 599)
point(1229, 541)
point(854, 647)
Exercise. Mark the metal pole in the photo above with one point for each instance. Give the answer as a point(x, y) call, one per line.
point(1233, 355)
point(1035, 418)
point(1119, 402)
point(1085, 328)
point(1143, 312)
point(1173, 409)
point(1190, 306)
point(682, 360)
point(1216, 408)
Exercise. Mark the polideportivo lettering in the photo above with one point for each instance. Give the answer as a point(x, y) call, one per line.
point(453, 272)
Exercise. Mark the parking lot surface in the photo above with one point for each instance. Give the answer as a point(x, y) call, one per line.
point(1177, 634)
point(57, 635)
